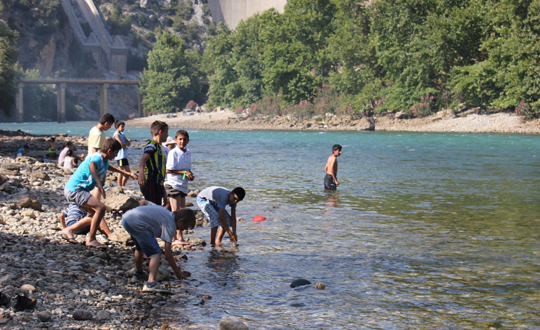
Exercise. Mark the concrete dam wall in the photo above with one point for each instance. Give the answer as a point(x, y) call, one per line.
point(232, 12)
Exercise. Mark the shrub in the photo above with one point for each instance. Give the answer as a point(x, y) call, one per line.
point(150, 36)
point(425, 107)
point(191, 105)
point(526, 112)
point(153, 19)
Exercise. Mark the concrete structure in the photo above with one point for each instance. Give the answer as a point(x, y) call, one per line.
point(232, 12)
point(109, 52)
point(61, 93)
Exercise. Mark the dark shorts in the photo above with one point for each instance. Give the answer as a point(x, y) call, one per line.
point(329, 183)
point(143, 241)
point(153, 192)
point(171, 192)
point(123, 162)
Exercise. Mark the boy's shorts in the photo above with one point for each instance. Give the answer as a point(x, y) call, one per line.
point(80, 197)
point(143, 241)
point(123, 162)
point(171, 192)
point(329, 183)
point(211, 211)
point(153, 192)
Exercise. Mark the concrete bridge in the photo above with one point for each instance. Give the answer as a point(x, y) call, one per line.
point(61, 93)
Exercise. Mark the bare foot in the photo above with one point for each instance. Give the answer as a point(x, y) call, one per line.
point(95, 244)
point(179, 242)
point(68, 234)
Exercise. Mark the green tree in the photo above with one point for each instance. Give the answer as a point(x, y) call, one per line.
point(8, 56)
point(172, 77)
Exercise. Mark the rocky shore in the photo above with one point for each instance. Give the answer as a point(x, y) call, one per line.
point(466, 121)
point(77, 287)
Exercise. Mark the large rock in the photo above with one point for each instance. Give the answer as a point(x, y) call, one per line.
point(10, 169)
point(120, 235)
point(26, 159)
point(231, 323)
point(29, 202)
point(81, 315)
point(40, 175)
point(119, 202)
point(28, 213)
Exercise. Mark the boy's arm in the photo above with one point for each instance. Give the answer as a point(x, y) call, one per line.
point(119, 170)
point(331, 167)
point(142, 179)
point(233, 222)
point(93, 171)
point(224, 225)
point(117, 138)
point(170, 258)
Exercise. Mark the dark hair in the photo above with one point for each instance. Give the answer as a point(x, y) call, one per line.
point(69, 152)
point(69, 143)
point(26, 146)
point(106, 118)
point(158, 126)
point(110, 144)
point(183, 133)
point(336, 147)
point(240, 192)
point(119, 123)
point(187, 216)
point(53, 138)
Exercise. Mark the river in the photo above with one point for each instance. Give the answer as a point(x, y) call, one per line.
point(425, 230)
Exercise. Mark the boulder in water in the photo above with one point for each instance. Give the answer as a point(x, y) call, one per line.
point(231, 323)
point(299, 282)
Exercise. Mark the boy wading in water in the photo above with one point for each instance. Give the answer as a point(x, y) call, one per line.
point(330, 179)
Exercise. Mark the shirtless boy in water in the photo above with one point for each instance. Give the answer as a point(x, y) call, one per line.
point(330, 179)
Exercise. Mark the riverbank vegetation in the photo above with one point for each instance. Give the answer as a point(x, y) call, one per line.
point(358, 57)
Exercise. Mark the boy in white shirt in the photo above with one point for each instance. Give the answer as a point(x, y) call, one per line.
point(178, 173)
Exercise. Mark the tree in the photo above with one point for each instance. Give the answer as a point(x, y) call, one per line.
point(172, 77)
point(8, 56)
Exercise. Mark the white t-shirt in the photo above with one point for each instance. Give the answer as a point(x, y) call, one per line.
point(62, 155)
point(178, 160)
point(68, 163)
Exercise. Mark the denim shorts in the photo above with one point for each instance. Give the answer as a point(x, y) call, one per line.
point(211, 211)
point(143, 241)
point(80, 197)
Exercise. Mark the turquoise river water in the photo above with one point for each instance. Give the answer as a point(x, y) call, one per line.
point(425, 231)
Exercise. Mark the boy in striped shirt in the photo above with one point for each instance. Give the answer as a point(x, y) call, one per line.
point(152, 164)
point(74, 221)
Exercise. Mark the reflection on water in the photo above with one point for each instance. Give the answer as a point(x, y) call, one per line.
point(425, 231)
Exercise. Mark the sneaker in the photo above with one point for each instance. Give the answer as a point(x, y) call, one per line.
point(154, 287)
point(142, 276)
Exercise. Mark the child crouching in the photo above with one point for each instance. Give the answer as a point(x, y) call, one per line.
point(148, 222)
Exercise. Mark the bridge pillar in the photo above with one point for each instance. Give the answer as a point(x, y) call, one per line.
point(103, 106)
point(19, 102)
point(61, 102)
point(140, 102)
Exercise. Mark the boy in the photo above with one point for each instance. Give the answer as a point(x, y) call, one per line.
point(23, 151)
point(330, 179)
point(168, 146)
point(52, 152)
point(152, 164)
point(122, 157)
point(178, 171)
point(148, 222)
point(75, 222)
point(212, 202)
point(89, 175)
point(63, 153)
point(96, 137)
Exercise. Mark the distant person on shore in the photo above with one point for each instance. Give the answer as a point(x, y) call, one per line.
point(330, 179)
point(96, 136)
point(152, 164)
point(122, 157)
point(179, 173)
point(63, 153)
point(23, 151)
point(74, 221)
point(212, 202)
point(52, 152)
point(88, 176)
point(148, 222)
point(168, 146)
point(69, 160)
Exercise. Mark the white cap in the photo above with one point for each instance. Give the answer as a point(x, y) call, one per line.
point(170, 140)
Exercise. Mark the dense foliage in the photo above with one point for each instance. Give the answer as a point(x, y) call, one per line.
point(418, 56)
point(172, 77)
point(8, 56)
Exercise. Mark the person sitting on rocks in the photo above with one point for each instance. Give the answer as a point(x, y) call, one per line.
point(68, 146)
point(23, 151)
point(148, 222)
point(69, 160)
point(89, 175)
point(52, 152)
point(74, 221)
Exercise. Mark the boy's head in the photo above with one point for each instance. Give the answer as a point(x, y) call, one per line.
point(170, 143)
point(26, 147)
point(120, 125)
point(107, 120)
point(182, 139)
point(161, 129)
point(336, 150)
point(53, 139)
point(69, 145)
point(110, 148)
point(184, 218)
point(236, 195)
